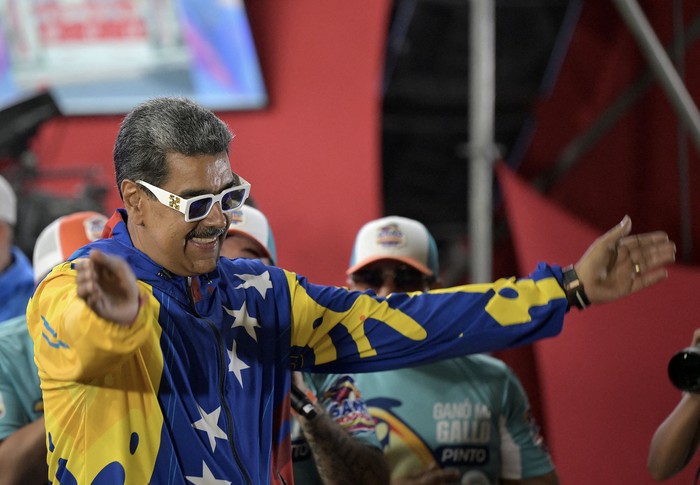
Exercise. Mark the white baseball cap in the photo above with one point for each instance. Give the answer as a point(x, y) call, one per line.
point(395, 238)
point(250, 222)
point(63, 237)
point(8, 202)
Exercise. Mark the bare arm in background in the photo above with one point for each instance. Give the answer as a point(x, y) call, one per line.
point(340, 458)
point(23, 456)
point(676, 439)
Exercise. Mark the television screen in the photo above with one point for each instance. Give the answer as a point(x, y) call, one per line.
point(106, 56)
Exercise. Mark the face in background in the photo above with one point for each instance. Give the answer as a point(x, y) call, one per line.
point(389, 276)
point(183, 248)
point(237, 245)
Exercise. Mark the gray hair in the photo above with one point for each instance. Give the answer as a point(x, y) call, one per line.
point(161, 126)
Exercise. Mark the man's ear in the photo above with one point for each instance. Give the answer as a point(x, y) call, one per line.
point(134, 200)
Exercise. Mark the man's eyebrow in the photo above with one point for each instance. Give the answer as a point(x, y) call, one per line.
point(186, 194)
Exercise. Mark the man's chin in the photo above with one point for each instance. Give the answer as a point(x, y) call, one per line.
point(198, 267)
point(203, 259)
point(206, 266)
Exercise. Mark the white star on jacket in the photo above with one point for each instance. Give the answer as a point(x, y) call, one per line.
point(243, 319)
point(209, 424)
point(207, 478)
point(260, 282)
point(236, 365)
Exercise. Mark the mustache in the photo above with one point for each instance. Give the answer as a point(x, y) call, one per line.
point(208, 232)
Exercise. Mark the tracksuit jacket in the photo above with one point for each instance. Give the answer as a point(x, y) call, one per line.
point(196, 390)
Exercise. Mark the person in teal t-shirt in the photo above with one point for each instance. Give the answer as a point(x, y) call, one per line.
point(464, 420)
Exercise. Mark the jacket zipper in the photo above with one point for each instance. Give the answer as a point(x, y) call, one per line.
point(222, 388)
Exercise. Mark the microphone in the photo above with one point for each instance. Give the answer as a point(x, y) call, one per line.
point(301, 403)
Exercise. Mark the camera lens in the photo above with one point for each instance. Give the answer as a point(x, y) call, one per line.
point(684, 370)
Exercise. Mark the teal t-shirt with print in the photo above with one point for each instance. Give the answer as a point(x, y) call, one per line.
point(469, 413)
point(340, 397)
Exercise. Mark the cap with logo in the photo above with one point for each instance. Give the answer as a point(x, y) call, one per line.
point(63, 237)
point(395, 238)
point(8, 202)
point(250, 222)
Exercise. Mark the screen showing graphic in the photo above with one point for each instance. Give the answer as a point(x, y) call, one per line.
point(106, 56)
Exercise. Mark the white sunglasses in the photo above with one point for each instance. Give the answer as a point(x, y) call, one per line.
point(198, 207)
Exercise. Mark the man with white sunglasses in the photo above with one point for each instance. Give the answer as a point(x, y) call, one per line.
point(162, 363)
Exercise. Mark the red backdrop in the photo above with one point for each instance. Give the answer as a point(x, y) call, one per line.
point(604, 387)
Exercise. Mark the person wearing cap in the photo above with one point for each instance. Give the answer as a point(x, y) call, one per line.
point(22, 433)
point(16, 281)
point(161, 362)
point(321, 450)
point(249, 236)
point(461, 420)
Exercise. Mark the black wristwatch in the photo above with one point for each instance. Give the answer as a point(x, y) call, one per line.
point(573, 288)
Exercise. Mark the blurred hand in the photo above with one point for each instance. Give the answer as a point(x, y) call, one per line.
point(108, 286)
point(618, 264)
point(696, 338)
point(298, 380)
point(433, 475)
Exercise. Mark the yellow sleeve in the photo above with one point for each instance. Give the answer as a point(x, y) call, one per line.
point(71, 342)
point(345, 331)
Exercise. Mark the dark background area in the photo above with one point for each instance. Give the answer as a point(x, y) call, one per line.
point(425, 105)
